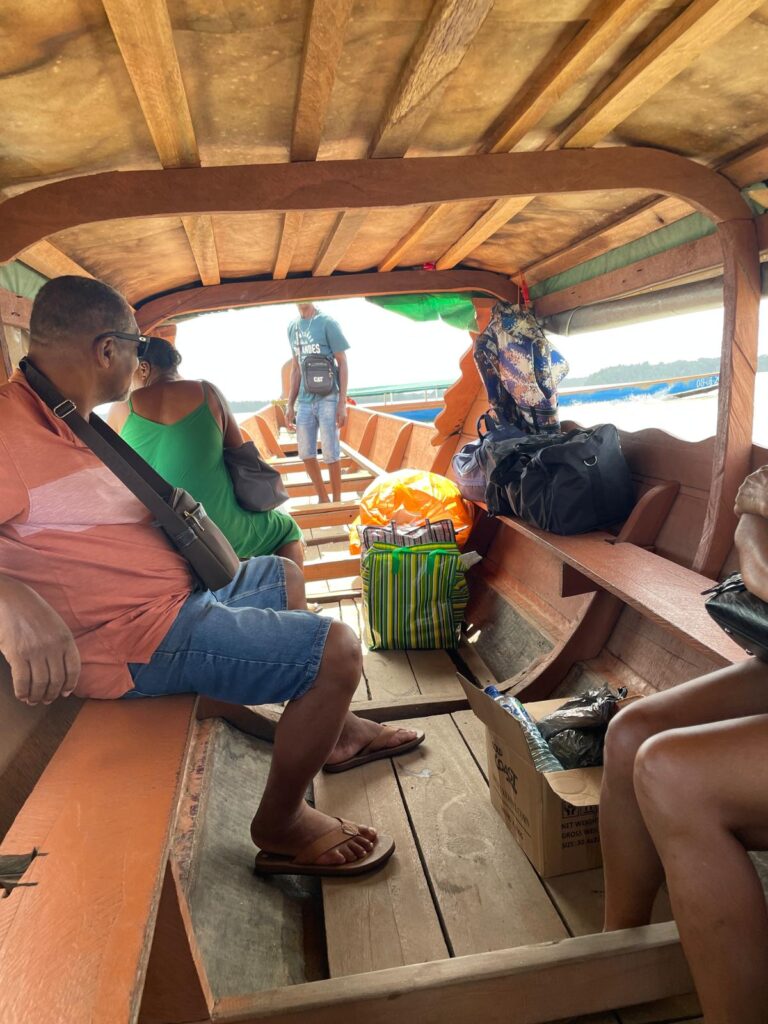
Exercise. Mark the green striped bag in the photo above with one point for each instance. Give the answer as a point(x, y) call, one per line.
point(413, 597)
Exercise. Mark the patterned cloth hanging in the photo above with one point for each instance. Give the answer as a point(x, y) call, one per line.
point(520, 369)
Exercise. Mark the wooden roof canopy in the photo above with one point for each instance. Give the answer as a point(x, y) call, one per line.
point(201, 104)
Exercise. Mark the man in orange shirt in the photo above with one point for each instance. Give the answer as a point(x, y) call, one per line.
point(95, 601)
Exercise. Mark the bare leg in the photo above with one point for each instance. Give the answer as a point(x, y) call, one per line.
point(293, 551)
point(306, 735)
point(633, 871)
point(355, 732)
point(312, 467)
point(703, 792)
point(334, 470)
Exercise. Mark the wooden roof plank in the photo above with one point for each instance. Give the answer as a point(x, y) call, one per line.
point(538, 96)
point(46, 258)
point(202, 241)
point(503, 210)
point(699, 26)
point(703, 23)
point(441, 47)
point(289, 239)
point(347, 225)
point(323, 43)
point(144, 35)
point(523, 114)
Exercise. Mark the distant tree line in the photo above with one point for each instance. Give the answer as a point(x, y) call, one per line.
point(627, 373)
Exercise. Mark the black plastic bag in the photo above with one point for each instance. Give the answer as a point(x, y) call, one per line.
point(578, 748)
point(593, 708)
point(575, 733)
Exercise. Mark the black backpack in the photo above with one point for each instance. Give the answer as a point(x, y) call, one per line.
point(318, 374)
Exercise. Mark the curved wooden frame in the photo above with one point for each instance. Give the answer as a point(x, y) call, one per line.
point(242, 294)
point(358, 185)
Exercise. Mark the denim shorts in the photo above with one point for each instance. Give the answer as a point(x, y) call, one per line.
point(319, 414)
point(238, 644)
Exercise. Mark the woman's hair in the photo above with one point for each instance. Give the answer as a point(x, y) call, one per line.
point(162, 354)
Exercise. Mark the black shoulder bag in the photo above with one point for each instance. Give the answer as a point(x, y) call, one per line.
point(743, 616)
point(183, 519)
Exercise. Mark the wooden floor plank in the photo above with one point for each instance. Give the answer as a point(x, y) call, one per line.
point(435, 673)
point(389, 673)
point(386, 919)
point(473, 731)
point(489, 895)
point(253, 933)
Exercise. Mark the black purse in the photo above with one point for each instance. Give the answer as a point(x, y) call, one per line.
point(258, 486)
point(740, 614)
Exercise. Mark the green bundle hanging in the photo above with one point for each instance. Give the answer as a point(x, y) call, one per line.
point(413, 597)
point(455, 310)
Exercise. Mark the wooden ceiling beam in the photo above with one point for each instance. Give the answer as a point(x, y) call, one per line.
point(145, 37)
point(46, 258)
point(286, 247)
point(536, 99)
point(323, 44)
point(356, 185)
point(202, 241)
point(523, 114)
point(502, 211)
point(702, 24)
point(347, 225)
point(439, 50)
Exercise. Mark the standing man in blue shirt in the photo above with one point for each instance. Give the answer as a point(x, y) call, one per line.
point(318, 396)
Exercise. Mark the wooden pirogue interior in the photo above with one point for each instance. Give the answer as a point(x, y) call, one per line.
point(459, 911)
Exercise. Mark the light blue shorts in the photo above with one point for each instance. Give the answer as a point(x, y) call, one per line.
point(318, 415)
point(238, 644)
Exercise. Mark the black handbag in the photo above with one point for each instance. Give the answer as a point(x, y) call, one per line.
point(181, 517)
point(740, 614)
point(258, 486)
point(566, 483)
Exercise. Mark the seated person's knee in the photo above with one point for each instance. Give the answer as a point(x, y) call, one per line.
point(631, 727)
point(342, 662)
point(294, 582)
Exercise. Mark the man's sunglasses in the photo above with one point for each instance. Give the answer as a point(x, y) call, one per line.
point(142, 340)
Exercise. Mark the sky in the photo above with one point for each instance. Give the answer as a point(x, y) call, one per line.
point(242, 351)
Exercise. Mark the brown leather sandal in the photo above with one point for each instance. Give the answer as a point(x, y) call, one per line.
point(366, 755)
point(305, 862)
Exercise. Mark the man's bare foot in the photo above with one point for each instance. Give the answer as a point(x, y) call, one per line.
point(291, 835)
point(358, 733)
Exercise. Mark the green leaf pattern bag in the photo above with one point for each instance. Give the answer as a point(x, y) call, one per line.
point(413, 597)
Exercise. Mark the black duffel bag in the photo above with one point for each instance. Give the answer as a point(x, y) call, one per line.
point(504, 462)
point(568, 483)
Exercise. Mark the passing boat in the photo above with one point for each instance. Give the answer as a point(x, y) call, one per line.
point(213, 156)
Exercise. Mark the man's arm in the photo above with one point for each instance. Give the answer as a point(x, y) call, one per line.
point(290, 409)
point(341, 409)
point(752, 547)
point(37, 644)
point(752, 498)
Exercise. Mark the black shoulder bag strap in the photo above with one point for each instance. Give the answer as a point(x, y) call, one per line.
point(184, 529)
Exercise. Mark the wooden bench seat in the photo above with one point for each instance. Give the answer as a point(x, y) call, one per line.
point(349, 482)
point(76, 945)
point(663, 591)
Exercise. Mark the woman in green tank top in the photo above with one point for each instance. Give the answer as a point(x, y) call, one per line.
point(181, 428)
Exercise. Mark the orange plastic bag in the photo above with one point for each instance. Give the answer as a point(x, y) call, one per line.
point(410, 497)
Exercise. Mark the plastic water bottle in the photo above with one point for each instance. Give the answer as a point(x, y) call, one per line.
point(543, 758)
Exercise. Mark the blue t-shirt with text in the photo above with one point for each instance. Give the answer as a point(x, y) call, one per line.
point(317, 335)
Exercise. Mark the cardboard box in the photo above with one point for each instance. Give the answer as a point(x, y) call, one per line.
point(553, 815)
